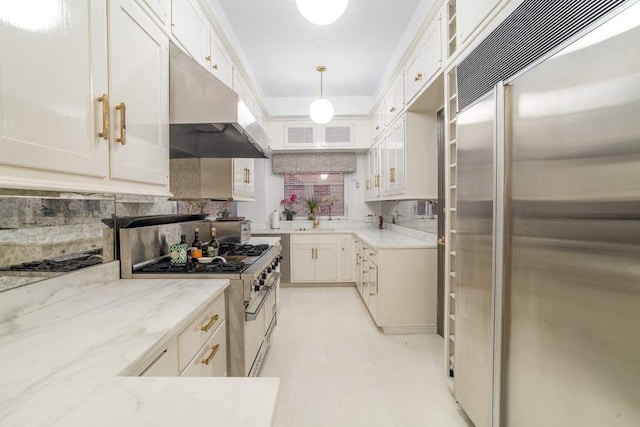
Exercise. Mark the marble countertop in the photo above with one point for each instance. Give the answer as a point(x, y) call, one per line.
point(264, 240)
point(60, 363)
point(373, 237)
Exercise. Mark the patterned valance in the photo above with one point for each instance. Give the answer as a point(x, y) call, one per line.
point(313, 162)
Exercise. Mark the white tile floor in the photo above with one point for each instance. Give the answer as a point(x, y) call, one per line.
point(336, 369)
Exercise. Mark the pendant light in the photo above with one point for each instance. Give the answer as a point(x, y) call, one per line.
point(322, 12)
point(321, 110)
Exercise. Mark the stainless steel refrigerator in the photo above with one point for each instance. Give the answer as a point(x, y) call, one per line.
point(548, 251)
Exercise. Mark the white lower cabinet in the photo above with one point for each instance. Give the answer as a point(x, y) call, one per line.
point(211, 359)
point(199, 350)
point(399, 288)
point(165, 364)
point(321, 257)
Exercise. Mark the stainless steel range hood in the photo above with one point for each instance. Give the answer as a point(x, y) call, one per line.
point(207, 119)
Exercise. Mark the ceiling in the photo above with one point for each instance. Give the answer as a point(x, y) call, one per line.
point(283, 49)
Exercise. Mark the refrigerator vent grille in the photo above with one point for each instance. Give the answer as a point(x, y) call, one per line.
point(528, 33)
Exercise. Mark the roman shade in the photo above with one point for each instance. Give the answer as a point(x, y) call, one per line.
point(313, 162)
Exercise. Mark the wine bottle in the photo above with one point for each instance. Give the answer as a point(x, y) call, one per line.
point(179, 252)
point(214, 246)
point(196, 245)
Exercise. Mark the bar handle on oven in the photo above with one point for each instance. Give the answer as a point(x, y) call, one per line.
point(212, 321)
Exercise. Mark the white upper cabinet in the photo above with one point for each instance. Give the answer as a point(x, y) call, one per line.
point(378, 120)
point(243, 178)
point(239, 85)
point(192, 29)
point(139, 82)
point(335, 134)
point(221, 66)
point(53, 70)
point(160, 12)
point(394, 101)
point(471, 13)
point(425, 62)
point(393, 160)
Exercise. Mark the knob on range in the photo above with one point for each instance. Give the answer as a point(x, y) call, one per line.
point(256, 286)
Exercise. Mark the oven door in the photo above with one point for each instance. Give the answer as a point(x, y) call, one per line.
point(254, 327)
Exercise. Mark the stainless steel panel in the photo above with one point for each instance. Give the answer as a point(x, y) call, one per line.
point(474, 272)
point(572, 345)
point(145, 243)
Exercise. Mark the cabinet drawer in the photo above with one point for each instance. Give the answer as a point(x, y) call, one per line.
point(211, 359)
point(313, 239)
point(165, 364)
point(199, 331)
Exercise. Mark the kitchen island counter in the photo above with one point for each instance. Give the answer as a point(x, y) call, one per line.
point(62, 362)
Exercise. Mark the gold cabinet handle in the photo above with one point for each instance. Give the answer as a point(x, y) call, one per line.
point(104, 100)
point(377, 127)
point(442, 241)
point(364, 271)
point(214, 351)
point(123, 123)
point(248, 176)
point(418, 77)
point(208, 58)
point(372, 254)
point(368, 184)
point(214, 66)
point(392, 175)
point(212, 321)
point(392, 109)
point(377, 181)
point(373, 294)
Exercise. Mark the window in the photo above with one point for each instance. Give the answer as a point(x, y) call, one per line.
point(320, 186)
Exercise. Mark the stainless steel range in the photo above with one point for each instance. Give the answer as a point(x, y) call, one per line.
point(254, 272)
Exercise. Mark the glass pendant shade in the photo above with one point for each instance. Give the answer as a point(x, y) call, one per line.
point(321, 111)
point(322, 12)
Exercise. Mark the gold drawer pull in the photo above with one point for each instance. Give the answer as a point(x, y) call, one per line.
point(373, 294)
point(418, 77)
point(368, 184)
point(207, 58)
point(392, 109)
point(104, 99)
point(372, 254)
point(214, 351)
point(392, 175)
point(214, 66)
point(377, 127)
point(377, 181)
point(123, 123)
point(212, 321)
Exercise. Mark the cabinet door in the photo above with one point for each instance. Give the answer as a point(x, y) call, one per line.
point(161, 10)
point(379, 120)
point(470, 14)
point(413, 76)
point(302, 263)
point(220, 63)
point(139, 79)
point(345, 258)
point(192, 29)
point(53, 69)
point(372, 292)
point(239, 85)
point(374, 171)
point(239, 177)
point(431, 52)
point(394, 172)
point(326, 268)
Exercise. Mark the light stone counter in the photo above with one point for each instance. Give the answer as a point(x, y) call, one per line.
point(60, 362)
point(373, 237)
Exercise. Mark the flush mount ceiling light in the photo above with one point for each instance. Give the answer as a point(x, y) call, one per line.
point(321, 110)
point(322, 12)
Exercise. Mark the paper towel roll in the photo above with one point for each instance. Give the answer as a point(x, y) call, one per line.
point(275, 220)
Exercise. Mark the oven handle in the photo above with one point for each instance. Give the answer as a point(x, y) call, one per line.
point(252, 312)
point(276, 277)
